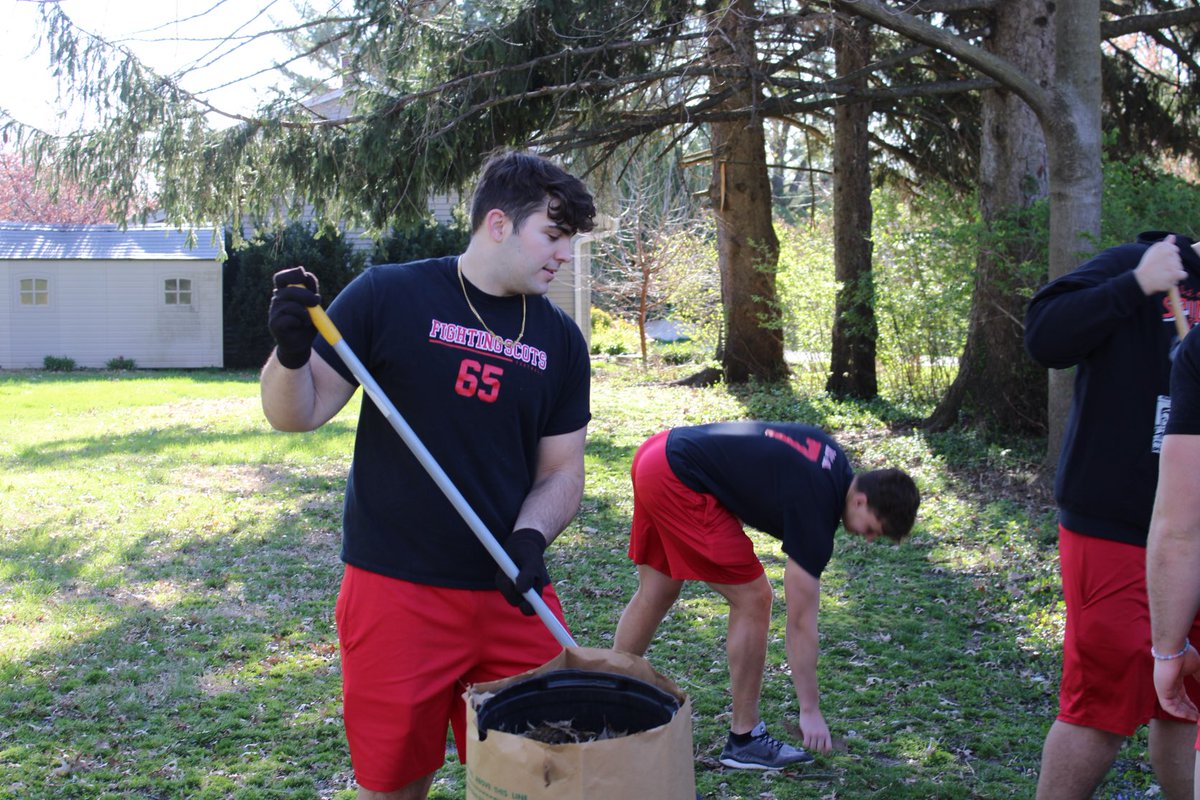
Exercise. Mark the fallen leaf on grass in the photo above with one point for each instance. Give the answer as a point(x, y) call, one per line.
point(794, 731)
point(67, 765)
point(802, 773)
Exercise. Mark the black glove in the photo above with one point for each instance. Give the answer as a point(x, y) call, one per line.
point(288, 317)
point(527, 549)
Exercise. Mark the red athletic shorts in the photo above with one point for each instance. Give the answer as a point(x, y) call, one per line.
point(681, 533)
point(1108, 672)
point(408, 653)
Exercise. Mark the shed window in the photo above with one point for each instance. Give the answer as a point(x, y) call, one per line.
point(179, 291)
point(35, 291)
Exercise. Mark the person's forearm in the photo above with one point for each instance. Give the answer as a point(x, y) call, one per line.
point(302, 399)
point(802, 651)
point(287, 395)
point(1173, 544)
point(551, 504)
point(1172, 564)
point(1058, 334)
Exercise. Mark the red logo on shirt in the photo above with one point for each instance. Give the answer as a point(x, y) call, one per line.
point(813, 451)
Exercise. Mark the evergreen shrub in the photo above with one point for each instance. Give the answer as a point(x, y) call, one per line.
point(248, 284)
point(58, 364)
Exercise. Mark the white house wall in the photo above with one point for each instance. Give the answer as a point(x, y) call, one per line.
point(562, 292)
point(99, 310)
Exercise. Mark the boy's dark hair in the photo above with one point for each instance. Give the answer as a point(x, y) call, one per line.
point(519, 183)
point(894, 498)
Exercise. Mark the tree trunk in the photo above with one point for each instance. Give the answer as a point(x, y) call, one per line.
point(1068, 107)
point(997, 383)
point(852, 361)
point(747, 248)
point(1076, 176)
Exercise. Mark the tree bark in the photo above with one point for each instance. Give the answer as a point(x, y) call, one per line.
point(747, 247)
point(1076, 177)
point(852, 359)
point(1068, 109)
point(998, 385)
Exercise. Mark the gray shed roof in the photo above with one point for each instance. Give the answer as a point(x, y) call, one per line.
point(40, 241)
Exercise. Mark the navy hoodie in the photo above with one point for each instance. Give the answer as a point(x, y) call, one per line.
point(1097, 319)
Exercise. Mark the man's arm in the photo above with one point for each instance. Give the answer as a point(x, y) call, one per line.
point(1073, 315)
point(549, 506)
point(802, 595)
point(302, 399)
point(557, 485)
point(1172, 569)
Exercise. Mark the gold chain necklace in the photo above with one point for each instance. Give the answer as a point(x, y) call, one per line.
point(471, 306)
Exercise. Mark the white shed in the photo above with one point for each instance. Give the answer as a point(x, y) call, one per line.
point(93, 293)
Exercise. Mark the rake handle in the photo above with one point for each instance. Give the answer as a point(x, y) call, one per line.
point(1181, 325)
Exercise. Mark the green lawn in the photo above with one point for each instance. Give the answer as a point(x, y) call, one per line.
point(168, 566)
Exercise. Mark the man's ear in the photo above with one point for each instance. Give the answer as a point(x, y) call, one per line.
point(495, 223)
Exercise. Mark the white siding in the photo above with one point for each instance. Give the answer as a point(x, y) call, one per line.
point(567, 293)
point(442, 206)
point(25, 324)
point(572, 287)
point(104, 309)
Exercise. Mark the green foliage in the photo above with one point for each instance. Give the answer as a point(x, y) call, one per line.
point(1140, 196)
point(1149, 105)
point(248, 285)
point(693, 283)
point(683, 287)
point(924, 271)
point(923, 277)
point(426, 239)
point(429, 102)
point(58, 363)
point(924, 264)
point(807, 288)
point(685, 352)
point(120, 362)
point(612, 335)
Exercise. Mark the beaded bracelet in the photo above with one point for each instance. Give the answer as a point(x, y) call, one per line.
point(1158, 657)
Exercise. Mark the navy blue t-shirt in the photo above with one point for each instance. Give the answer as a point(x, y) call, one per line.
point(788, 480)
point(480, 404)
point(1185, 389)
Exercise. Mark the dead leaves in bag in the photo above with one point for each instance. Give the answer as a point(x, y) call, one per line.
point(564, 732)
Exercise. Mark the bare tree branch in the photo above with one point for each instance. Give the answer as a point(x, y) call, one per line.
point(1144, 23)
point(988, 63)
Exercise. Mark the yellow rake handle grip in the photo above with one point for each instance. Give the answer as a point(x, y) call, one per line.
point(325, 326)
point(1181, 324)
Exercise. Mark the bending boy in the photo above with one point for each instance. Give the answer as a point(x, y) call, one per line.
point(693, 487)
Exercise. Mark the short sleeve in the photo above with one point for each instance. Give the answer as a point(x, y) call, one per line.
point(1185, 388)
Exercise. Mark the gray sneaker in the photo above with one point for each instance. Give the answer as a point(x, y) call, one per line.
point(763, 751)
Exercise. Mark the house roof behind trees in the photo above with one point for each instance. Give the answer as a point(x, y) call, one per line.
point(33, 241)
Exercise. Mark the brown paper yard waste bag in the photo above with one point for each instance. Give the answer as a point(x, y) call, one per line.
point(655, 763)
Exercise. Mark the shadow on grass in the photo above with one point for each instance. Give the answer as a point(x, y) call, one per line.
point(106, 376)
point(787, 402)
point(153, 441)
point(210, 670)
